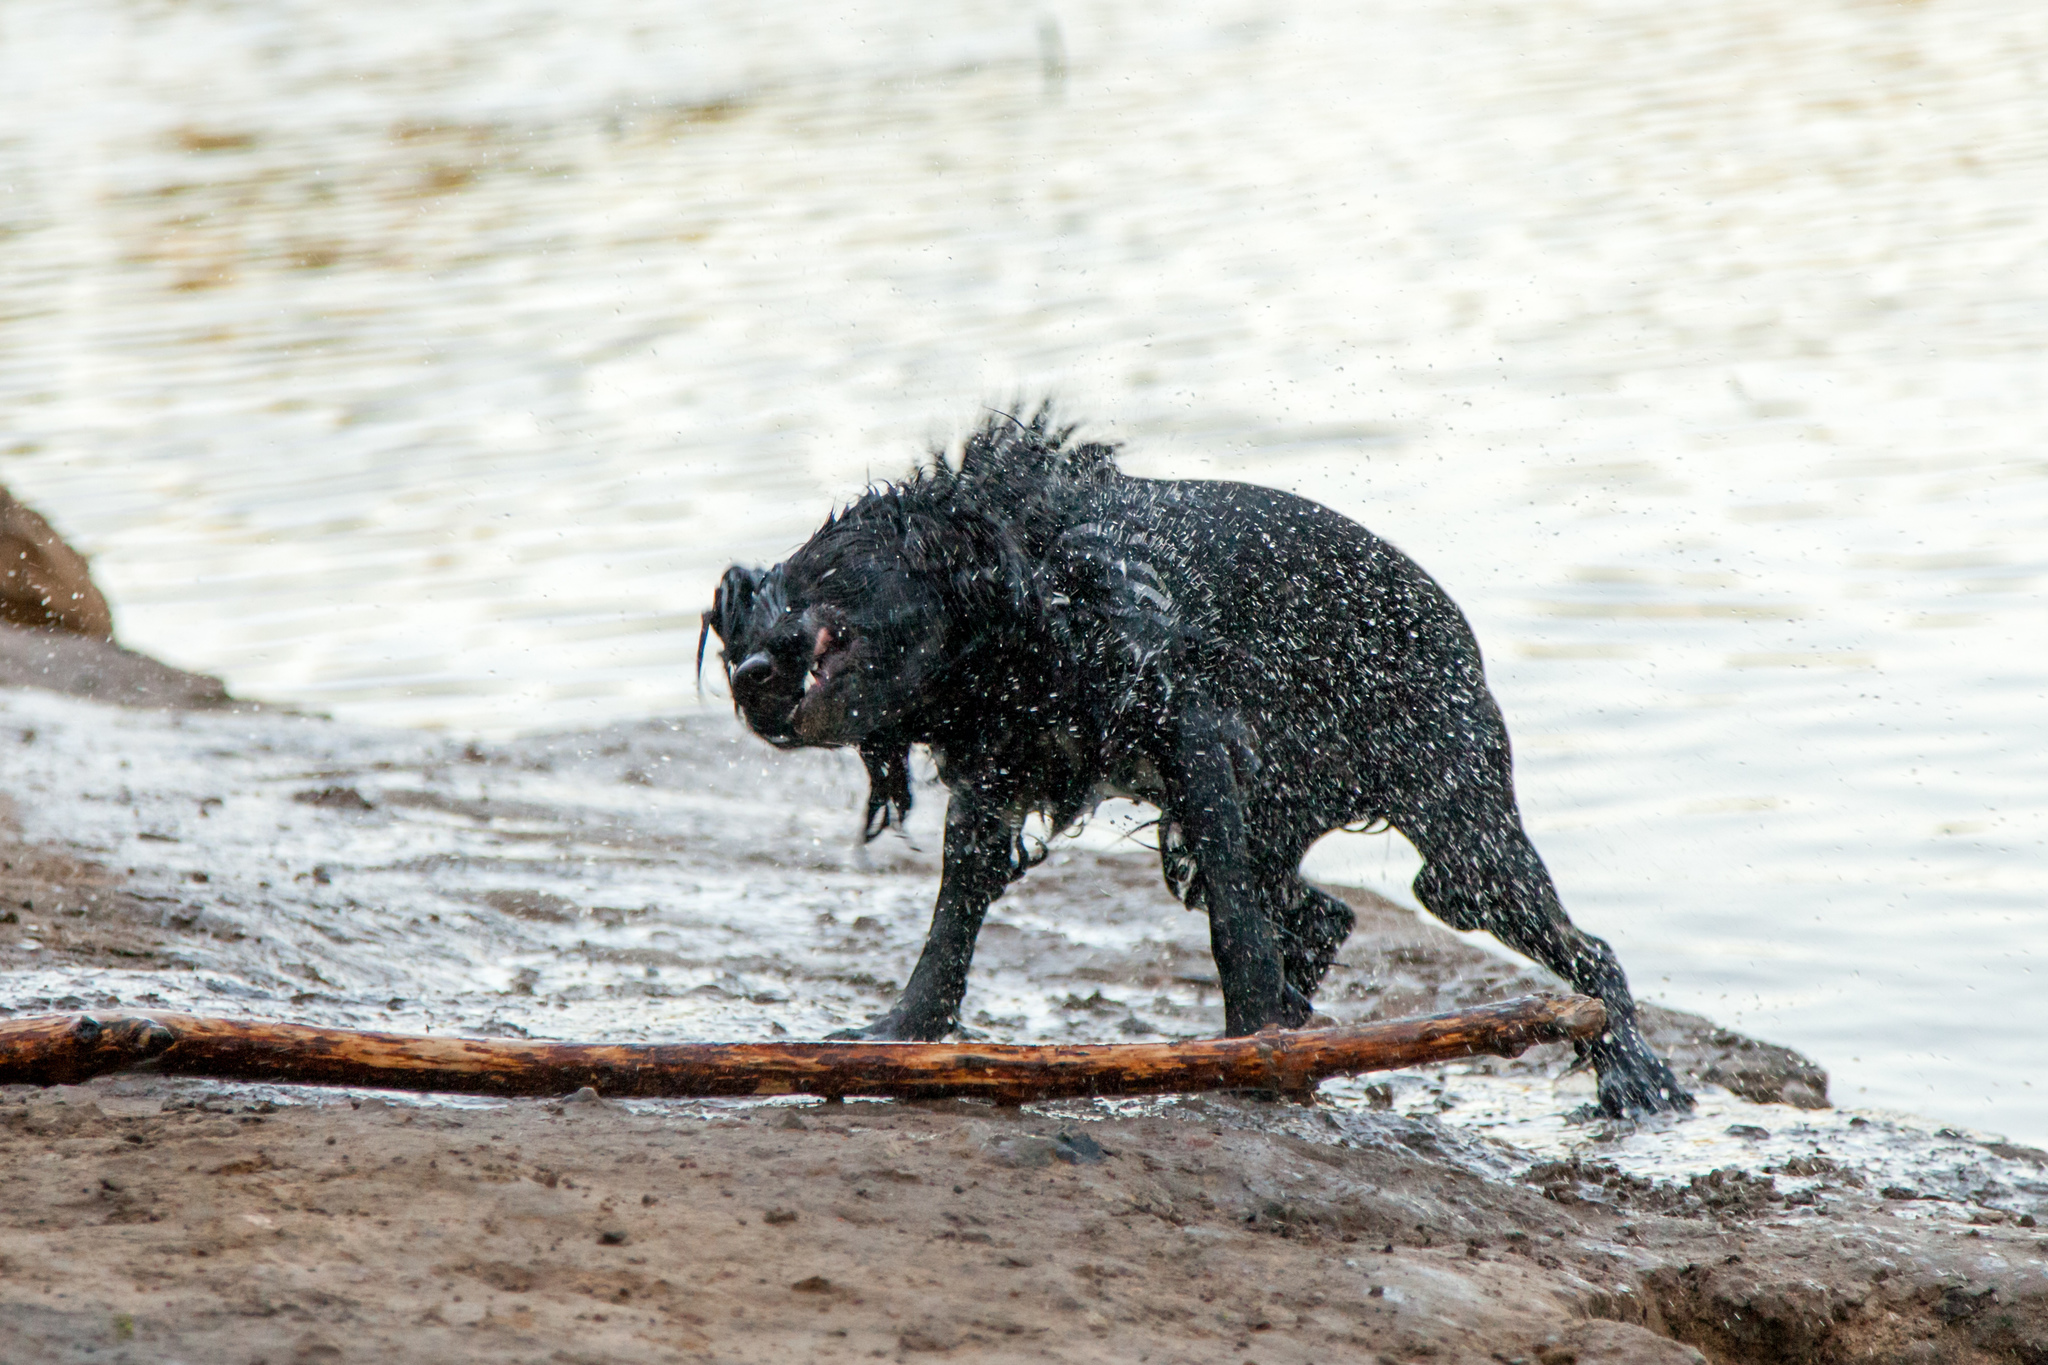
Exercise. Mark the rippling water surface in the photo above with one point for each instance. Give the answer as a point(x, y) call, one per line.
point(426, 365)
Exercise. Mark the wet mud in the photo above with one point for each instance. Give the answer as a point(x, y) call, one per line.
point(673, 879)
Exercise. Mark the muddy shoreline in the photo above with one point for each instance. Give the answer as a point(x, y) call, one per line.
point(666, 879)
point(154, 1221)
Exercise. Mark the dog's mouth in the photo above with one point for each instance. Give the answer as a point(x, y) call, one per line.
point(819, 715)
point(831, 652)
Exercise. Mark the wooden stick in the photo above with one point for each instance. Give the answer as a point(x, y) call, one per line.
point(67, 1049)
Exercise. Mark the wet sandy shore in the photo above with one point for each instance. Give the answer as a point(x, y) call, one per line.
point(151, 1222)
point(669, 880)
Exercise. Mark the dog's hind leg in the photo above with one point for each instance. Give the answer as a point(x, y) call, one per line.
point(1312, 928)
point(981, 842)
point(1481, 872)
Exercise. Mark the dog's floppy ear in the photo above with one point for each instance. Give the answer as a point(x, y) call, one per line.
point(730, 609)
point(888, 765)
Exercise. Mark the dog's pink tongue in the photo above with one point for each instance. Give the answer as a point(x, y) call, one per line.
point(818, 650)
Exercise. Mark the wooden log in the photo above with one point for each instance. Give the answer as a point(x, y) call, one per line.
point(67, 1049)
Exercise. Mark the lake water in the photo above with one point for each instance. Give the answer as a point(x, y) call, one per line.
point(427, 365)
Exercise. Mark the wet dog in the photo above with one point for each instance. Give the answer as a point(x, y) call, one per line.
point(1257, 667)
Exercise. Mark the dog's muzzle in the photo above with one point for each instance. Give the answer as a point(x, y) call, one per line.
point(767, 697)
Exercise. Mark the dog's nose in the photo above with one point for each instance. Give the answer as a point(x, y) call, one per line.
point(754, 668)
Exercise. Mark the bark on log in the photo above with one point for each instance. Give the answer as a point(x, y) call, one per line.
point(67, 1049)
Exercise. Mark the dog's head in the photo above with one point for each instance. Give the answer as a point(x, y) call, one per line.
point(842, 640)
point(876, 629)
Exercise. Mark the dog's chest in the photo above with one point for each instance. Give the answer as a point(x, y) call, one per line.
point(1054, 768)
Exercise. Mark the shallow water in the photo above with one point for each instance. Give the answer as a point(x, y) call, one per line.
point(426, 367)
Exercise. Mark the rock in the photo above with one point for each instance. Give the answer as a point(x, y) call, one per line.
point(1704, 1052)
point(1078, 1149)
point(88, 666)
point(44, 583)
point(1024, 1151)
point(1029, 1150)
point(57, 633)
point(334, 798)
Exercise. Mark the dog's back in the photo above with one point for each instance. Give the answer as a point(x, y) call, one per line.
point(1358, 674)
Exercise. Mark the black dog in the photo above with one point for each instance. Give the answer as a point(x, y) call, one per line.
point(1259, 668)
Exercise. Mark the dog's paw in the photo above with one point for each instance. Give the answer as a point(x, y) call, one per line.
point(880, 1031)
point(1634, 1081)
point(1295, 1009)
point(1629, 1092)
point(891, 1028)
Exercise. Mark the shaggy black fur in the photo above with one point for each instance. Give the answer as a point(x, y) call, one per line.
point(1259, 668)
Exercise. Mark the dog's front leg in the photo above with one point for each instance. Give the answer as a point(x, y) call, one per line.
point(1210, 811)
point(980, 838)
